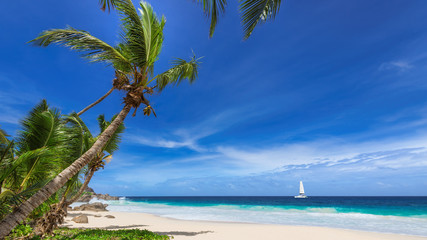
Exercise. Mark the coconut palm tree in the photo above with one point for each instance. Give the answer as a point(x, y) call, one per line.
point(81, 141)
point(33, 158)
point(133, 60)
point(253, 12)
point(102, 157)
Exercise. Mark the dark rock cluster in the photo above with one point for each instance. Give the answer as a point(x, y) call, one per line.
point(90, 194)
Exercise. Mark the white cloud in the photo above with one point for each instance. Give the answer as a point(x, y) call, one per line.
point(189, 137)
point(10, 103)
point(400, 66)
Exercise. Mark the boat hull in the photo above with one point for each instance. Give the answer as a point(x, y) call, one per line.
point(301, 196)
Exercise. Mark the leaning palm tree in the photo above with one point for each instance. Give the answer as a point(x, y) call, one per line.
point(32, 158)
point(253, 12)
point(82, 141)
point(133, 60)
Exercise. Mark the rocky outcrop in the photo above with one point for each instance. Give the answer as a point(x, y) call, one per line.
point(80, 219)
point(106, 197)
point(90, 194)
point(84, 198)
point(95, 207)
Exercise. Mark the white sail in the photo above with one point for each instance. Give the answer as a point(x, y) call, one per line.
point(301, 191)
point(301, 188)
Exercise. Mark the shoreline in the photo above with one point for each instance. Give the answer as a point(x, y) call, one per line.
point(215, 230)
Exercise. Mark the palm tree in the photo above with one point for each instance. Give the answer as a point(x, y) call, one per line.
point(102, 157)
point(133, 60)
point(82, 141)
point(32, 158)
point(253, 12)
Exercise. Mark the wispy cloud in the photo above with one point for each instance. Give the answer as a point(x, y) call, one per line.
point(189, 137)
point(13, 99)
point(370, 173)
point(400, 66)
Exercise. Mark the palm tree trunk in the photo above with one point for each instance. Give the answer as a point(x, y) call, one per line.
point(96, 102)
point(82, 188)
point(20, 213)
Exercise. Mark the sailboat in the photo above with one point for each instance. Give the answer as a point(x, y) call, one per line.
point(301, 191)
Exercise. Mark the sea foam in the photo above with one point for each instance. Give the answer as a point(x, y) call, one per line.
point(289, 215)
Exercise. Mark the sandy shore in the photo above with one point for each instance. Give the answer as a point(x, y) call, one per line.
point(204, 230)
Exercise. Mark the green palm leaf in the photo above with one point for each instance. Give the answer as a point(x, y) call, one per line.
point(42, 128)
point(142, 34)
point(25, 157)
point(3, 136)
point(94, 49)
point(77, 134)
point(257, 11)
point(113, 143)
point(181, 70)
point(107, 4)
point(213, 9)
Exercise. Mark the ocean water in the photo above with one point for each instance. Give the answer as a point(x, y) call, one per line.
point(402, 215)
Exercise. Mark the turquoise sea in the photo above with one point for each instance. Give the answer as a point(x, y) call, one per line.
point(402, 215)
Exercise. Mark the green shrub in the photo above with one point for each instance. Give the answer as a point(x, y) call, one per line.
point(20, 231)
point(98, 234)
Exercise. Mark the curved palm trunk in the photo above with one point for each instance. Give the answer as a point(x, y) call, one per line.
point(82, 188)
point(96, 102)
point(20, 213)
point(57, 213)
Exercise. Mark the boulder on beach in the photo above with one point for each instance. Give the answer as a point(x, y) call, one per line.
point(80, 219)
point(109, 216)
point(96, 207)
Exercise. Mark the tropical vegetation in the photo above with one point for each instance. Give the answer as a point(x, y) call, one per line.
point(133, 60)
point(46, 144)
point(252, 12)
point(89, 234)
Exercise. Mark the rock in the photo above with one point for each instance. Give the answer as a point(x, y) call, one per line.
point(89, 194)
point(109, 216)
point(85, 198)
point(69, 208)
point(89, 189)
point(97, 207)
point(97, 216)
point(80, 219)
point(106, 197)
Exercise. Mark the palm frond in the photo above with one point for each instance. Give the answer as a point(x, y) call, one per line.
point(107, 4)
point(113, 143)
point(255, 12)
point(76, 133)
point(181, 70)
point(94, 49)
point(213, 9)
point(153, 33)
point(142, 34)
point(40, 128)
point(3, 136)
point(102, 124)
point(28, 192)
point(76, 120)
point(6, 152)
point(25, 157)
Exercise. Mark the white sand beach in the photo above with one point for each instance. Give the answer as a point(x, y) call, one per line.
point(206, 230)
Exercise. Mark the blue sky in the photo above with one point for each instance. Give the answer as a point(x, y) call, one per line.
point(333, 93)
